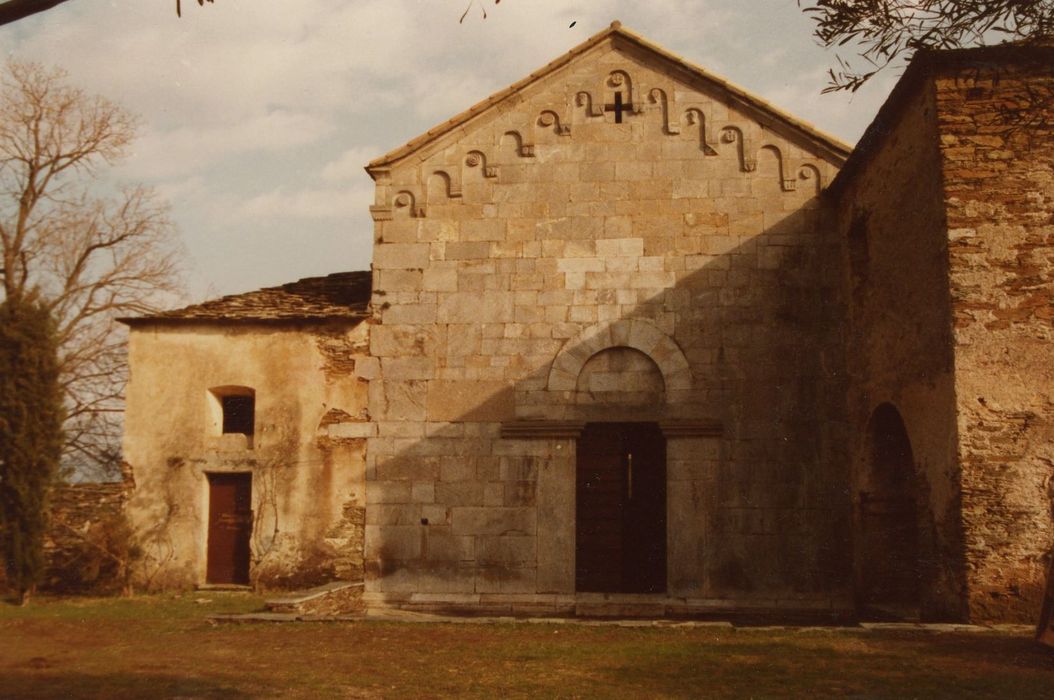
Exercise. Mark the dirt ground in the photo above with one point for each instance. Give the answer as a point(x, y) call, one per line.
point(164, 647)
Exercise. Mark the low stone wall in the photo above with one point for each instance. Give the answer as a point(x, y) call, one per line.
point(86, 538)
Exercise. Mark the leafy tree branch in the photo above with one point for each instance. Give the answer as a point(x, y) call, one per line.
point(884, 32)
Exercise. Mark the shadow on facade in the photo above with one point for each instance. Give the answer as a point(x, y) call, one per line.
point(759, 510)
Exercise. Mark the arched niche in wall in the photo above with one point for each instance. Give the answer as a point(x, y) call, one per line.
point(886, 516)
point(641, 336)
point(620, 376)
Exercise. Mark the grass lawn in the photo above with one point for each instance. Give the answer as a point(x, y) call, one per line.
point(162, 647)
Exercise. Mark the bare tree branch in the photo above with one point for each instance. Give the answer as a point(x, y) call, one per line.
point(91, 258)
point(14, 10)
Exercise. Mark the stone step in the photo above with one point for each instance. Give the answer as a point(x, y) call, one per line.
point(334, 598)
point(620, 609)
point(223, 587)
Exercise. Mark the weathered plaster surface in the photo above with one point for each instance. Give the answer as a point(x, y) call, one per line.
point(306, 457)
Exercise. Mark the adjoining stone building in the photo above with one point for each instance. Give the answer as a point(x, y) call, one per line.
point(630, 332)
point(944, 212)
point(245, 432)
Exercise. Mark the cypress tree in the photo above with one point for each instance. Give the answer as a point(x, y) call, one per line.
point(30, 437)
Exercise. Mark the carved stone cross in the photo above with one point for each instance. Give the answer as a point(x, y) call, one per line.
point(618, 108)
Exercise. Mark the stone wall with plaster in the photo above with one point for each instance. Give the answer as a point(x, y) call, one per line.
point(306, 456)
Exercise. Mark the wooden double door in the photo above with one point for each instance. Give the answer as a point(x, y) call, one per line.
point(230, 528)
point(620, 532)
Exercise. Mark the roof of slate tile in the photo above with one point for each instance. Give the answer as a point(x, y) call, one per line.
point(837, 148)
point(340, 296)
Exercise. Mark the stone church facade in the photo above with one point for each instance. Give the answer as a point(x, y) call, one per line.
point(636, 340)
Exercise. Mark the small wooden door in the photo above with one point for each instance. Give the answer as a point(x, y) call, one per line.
point(620, 530)
point(230, 527)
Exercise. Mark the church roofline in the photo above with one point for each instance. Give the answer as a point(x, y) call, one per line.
point(837, 148)
point(922, 66)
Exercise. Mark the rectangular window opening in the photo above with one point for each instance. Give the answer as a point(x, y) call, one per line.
point(238, 414)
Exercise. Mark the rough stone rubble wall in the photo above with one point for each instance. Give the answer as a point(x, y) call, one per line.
point(998, 165)
point(77, 514)
point(690, 232)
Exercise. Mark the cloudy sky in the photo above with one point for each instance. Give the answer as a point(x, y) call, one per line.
point(258, 116)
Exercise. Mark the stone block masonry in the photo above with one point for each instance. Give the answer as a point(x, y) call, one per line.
point(547, 262)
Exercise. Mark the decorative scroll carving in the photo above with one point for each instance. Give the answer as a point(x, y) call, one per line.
point(550, 118)
point(584, 99)
point(787, 184)
point(619, 80)
point(694, 115)
point(809, 172)
point(658, 96)
point(451, 184)
point(748, 161)
point(476, 159)
point(379, 213)
point(405, 199)
point(525, 150)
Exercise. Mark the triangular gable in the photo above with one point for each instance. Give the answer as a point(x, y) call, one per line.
point(836, 150)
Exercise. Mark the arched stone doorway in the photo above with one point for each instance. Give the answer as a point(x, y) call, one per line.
point(620, 513)
point(886, 539)
point(623, 395)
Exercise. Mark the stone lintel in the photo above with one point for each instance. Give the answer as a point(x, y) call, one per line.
point(691, 428)
point(545, 429)
point(548, 429)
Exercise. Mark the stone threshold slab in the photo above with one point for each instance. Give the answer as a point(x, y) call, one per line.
point(222, 587)
point(427, 618)
point(300, 597)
